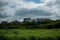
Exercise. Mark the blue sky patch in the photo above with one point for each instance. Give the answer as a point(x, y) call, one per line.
point(36, 1)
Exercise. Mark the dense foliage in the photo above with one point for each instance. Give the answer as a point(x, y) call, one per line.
point(30, 25)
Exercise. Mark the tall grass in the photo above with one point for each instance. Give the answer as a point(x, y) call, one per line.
point(30, 34)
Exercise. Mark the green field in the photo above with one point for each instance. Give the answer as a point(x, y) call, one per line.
point(30, 34)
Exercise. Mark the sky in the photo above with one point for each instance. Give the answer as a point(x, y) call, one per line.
point(19, 9)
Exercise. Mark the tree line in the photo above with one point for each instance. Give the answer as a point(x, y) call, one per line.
point(30, 25)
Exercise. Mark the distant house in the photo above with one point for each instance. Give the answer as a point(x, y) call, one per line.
point(40, 19)
point(33, 20)
point(36, 20)
point(43, 19)
point(27, 20)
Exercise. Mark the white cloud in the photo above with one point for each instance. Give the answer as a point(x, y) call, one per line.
point(11, 7)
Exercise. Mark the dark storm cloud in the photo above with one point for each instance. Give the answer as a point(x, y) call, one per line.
point(33, 13)
point(1, 9)
point(3, 15)
point(3, 3)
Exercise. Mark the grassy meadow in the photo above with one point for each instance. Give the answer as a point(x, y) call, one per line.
point(29, 34)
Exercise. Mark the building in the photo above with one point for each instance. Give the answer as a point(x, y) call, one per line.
point(43, 19)
point(36, 20)
point(27, 20)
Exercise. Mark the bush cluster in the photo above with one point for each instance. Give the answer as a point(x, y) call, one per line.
point(30, 25)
